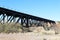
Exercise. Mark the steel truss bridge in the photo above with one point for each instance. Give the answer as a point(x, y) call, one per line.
point(26, 20)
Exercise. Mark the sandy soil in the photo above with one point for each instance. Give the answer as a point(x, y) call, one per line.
point(28, 36)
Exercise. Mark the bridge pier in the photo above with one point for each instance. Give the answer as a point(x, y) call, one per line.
point(24, 22)
point(1, 18)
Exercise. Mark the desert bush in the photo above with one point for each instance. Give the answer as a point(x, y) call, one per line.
point(10, 28)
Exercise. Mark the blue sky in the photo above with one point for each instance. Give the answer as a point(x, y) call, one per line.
point(49, 9)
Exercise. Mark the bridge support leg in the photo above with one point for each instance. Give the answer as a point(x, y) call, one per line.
point(27, 24)
point(3, 18)
point(21, 22)
point(0, 18)
point(14, 19)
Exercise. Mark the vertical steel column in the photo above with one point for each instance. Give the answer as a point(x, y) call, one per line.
point(0, 18)
point(37, 23)
point(27, 25)
point(30, 23)
point(3, 18)
point(8, 19)
point(18, 20)
point(14, 19)
point(22, 21)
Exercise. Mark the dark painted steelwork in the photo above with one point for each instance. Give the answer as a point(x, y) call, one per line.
point(26, 19)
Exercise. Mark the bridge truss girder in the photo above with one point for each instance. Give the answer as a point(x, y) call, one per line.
point(8, 16)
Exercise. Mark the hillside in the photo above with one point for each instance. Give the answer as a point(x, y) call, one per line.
point(16, 28)
point(17, 32)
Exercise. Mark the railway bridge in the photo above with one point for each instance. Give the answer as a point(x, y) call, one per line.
point(26, 20)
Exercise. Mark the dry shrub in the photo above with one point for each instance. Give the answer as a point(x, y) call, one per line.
point(10, 28)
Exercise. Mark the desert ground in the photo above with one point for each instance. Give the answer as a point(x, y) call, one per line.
point(28, 36)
